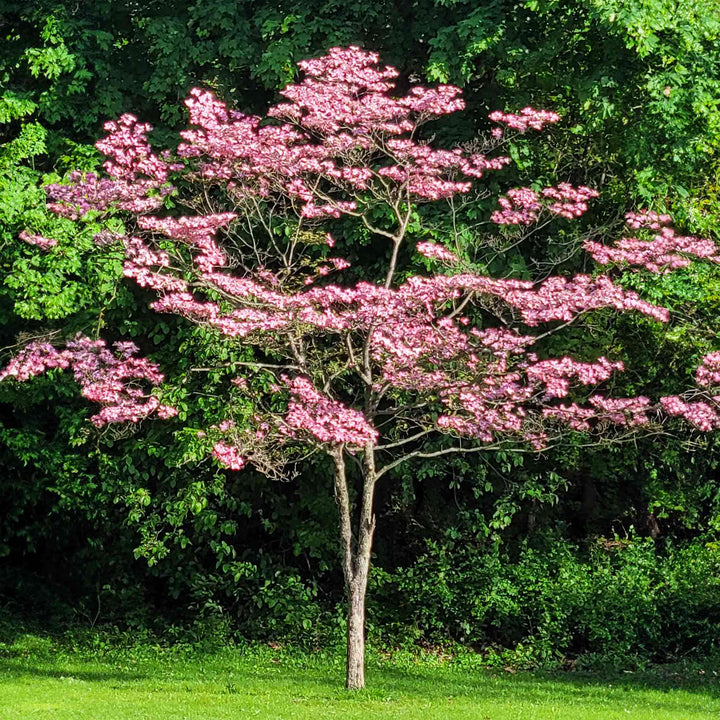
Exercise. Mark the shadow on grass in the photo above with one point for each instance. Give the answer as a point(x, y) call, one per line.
point(651, 690)
point(442, 683)
point(657, 680)
point(10, 669)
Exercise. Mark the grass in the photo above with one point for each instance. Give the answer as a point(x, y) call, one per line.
point(40, 678)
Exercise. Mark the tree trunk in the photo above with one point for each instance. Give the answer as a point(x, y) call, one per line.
point(355, 675)
point(357, 548)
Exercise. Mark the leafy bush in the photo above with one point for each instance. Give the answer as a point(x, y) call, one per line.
point(623, 602)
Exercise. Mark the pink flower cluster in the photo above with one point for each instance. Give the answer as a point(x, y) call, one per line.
point(437, 252)
point(622, 411)
point(560, 298)
point(699, 414)
point(336, 263)
point(38, 240)
point(34, 359)
point(198, 232)
point(555, 374)
point(338, 119)
point(647, 219)
point(347, 91)
point(570, 202)
point(259, 309)
point(129, 154)
point(188, 229)
point(708, 373)
point(628, 412)
point(703, 414)
point(339, 263)
point(573, 415)
point(228, 456)
point(113, 380)
point(139, 259)
point(326, 420)
point(527, 118)
point(665, 252)
point(522, 206)
point(138, 180)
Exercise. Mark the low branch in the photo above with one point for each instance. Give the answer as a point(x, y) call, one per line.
point(245, 364)
point(552, 444)
point(417, 436)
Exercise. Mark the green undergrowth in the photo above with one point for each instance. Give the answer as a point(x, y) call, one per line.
point(114, 678)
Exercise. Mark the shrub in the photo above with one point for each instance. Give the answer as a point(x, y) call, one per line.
point(624, 602)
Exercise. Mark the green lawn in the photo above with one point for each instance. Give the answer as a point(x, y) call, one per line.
point(38, 680)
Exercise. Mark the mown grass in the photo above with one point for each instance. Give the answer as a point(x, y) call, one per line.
point(40, 678)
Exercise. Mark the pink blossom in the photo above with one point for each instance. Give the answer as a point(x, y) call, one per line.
point(326, 420)
point(667, 251)
point(526, 119)
point(647, 219)
point(708, 373)
point(436, 252)
point(113, 380)
point(522, 206)
point(700, 414)
point(228, 456)
point(38, 240)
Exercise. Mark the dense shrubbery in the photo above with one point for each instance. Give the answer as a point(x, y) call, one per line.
point(614, 603)
point(621, 602)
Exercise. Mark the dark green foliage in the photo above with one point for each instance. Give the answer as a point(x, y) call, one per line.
point(619, 602)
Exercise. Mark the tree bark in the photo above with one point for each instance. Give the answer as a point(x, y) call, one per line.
point(355, 668)
point(357, 548)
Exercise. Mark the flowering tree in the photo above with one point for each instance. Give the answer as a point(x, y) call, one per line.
point(365, 371)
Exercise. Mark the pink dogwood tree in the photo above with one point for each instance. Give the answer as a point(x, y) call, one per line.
point(363, 372)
